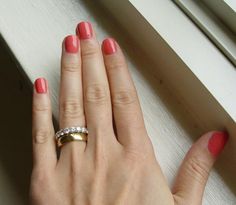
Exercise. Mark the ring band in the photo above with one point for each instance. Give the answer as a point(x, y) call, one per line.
point(68, 130)
point(71, 137)
point(70, 134)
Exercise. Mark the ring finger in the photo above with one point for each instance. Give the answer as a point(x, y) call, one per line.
point(71, 97)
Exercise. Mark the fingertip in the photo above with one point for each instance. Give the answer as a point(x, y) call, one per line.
point(212, 142)
point(41, 85)
point(109, 46)
point(217, 142)
point(71, 44)
point(84, 30)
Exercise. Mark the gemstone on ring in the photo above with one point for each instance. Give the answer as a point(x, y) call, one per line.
point(79, 129)
point(72, 129)
point(66, 130)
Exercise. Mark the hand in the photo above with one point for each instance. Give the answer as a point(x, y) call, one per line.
point(117, 164)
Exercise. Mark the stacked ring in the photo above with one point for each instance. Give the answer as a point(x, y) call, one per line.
point(71, 134)
point(71, 137)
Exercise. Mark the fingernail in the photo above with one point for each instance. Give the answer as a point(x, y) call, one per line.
point(71, 44)
point(40, 85)
point(84, 30)
point(217, 142)
point(109, 46)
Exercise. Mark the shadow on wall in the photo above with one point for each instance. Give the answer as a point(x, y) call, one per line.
point(15, 126)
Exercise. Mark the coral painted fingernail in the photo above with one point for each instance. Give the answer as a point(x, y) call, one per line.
point(71, 44)
point(109, 46)
point(40, 85)
point(217, 142)
point(84, 30)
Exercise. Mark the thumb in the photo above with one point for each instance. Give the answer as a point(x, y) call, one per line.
point(194, 171)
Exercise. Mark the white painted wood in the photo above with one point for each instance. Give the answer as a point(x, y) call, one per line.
point(34, 31)
point(215, 28)
point(201, 56)
point(225, 10)
point(231, 4)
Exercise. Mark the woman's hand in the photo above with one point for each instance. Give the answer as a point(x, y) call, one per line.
point(117, 164)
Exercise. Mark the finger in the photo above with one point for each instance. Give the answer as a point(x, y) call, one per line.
point(125, 104)
point(194, 171)
point(71, 97)
point(44, 150)
point(95, 85)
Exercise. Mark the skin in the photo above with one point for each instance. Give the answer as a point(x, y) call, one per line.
point(115, 166)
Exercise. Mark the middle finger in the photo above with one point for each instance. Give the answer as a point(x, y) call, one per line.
point(97, 103)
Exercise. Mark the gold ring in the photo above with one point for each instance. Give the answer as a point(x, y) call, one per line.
point(71, 137)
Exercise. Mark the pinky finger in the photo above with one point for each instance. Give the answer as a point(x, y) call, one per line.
point(194, 171)
point(44, 151)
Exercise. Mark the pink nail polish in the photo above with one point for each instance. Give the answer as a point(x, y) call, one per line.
point(109, 46)
point(71, 44)
point(84, 30)
point(217, 142)
point(40, 85)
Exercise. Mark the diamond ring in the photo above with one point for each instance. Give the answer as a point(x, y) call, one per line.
point(70, 130)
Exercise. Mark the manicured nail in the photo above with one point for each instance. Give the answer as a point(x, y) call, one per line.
point(40, 85)
point(84, 30)
point(217, 142)
point(71, 44)
point(109, 46)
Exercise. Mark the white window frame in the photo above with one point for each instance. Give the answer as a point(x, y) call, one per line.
point(217, 19)
point(225, 10)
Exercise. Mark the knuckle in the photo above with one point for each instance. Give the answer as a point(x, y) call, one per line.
point(135, 157)
point(90, 49)
point(116, 64)
point(198, 169)
point(42, 136)
point(72, 109)
point(71, 67)
point(96, 94)
point(124, 97)
point(40, 108)
point(132, 155)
